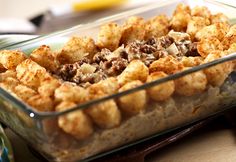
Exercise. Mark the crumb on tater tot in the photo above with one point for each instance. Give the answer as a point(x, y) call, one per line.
point(162, 91)
point(76, 123)
point(135, 102)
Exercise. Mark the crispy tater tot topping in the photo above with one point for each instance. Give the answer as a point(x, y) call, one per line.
point(135, 102)
point(10, 59)
point(75, 123)
point(109, 36)
point(120, 58)
point(133, 29)
point(162, 91)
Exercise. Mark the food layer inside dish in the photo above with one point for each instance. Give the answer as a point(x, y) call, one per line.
point(121, 58)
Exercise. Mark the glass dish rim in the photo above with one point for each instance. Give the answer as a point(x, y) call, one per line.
point(41, 115)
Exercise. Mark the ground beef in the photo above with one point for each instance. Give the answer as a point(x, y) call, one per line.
point(114, 66)
point(109, 63)
point(138, 47)
point(91, 78)
point(72, 73)
point(101, 56)
point(192, 50)
point(165, 41)
point(147, 58)
point(147, 51)
point(151, 41)
point(160, 54)
point(67, 71)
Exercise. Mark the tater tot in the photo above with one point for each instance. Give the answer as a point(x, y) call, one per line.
point(231, 49)
point(45, 58)
point(168, 64)
point(191, 61)
point(191, 84)
point(9, 83)
point(136, 70)
point(76, 49)
point(135, 102)
point(180, 21)
point(180, 18)
point(24, 92)
point(107, 86)
point(157, 26)
point(216, 75)
point(219, 17)
point(195, 24)
point(183, 8)
point(41, 103)
point(230, 37)
point(208, 45)
point(201, 11)
point(30, 73)
point(48, 86)
point(6, 74)
point(133, 29)
point(10, 59)
point(162, 91)
point(109, 36)
point(69, 92)
point(105, 114)
point(217, 30)
point(76, 123)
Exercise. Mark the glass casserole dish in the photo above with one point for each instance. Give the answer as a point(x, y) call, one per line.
point(141, 113)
